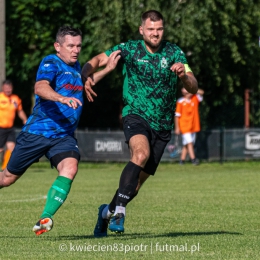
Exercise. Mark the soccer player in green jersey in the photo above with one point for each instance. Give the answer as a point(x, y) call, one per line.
point(151, 68)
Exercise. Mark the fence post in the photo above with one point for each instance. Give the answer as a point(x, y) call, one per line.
point(221, 145)
point(247, 108)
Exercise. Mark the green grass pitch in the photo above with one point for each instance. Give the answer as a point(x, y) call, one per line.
point(209, 211)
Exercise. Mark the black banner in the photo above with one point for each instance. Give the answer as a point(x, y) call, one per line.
point(213, 145)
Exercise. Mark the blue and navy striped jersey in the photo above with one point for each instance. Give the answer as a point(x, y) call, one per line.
point(54, 119)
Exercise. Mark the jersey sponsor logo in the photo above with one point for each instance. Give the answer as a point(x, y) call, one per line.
point(3, 103)
point(123, 196)
point(15, 104)
point(70, 73)
point(139, 60)
point(72, 87)
point(164, 63)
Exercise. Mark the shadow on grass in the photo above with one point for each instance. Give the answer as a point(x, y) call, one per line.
point(129, 236)
point(208, 233)
point(141, 235)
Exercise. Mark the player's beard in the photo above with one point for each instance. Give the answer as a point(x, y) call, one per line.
point(153, 46)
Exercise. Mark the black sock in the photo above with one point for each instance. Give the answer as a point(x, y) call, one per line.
point(128, 183)
point(112, 205)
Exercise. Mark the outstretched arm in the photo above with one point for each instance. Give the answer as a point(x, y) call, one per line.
point(189, 81)
point(92, 65)
point(92, 79)
point(110, 65)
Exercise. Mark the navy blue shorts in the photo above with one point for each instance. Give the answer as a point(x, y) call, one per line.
point(30, 148)
point(6, 135)
point(134, 125)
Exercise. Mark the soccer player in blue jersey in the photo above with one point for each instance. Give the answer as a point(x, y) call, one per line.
point(151, 68)
point(50, 128)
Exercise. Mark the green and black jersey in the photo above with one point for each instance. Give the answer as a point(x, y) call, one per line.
point(149, 85)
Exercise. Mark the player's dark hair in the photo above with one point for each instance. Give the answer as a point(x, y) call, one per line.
point(153, 15)
point(67, 30)
point(7, 82)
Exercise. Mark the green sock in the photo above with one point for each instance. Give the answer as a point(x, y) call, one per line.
point(56, 196)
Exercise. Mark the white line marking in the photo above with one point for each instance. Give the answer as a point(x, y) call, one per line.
point(24, 200)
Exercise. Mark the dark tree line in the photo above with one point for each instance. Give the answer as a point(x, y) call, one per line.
point(219, 37)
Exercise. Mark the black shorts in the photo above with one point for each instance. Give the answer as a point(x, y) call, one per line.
point(6, 135)
point(134, 125)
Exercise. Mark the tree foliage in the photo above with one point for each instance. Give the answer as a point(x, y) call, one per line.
point(219, 37)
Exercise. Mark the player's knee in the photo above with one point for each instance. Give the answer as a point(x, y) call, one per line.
point(10, 146)
point(73, 172)
point(69, 172)
point(141, 157)
point(6, 181)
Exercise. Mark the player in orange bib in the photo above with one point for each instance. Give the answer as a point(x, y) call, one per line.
point(187, 122)
point(9, 105)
